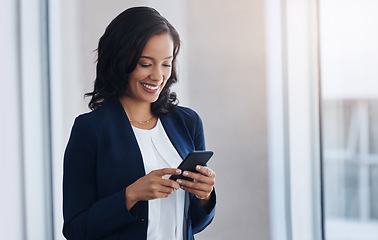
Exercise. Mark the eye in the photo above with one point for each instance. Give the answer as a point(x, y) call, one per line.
point(166, 65)
point(145, 65)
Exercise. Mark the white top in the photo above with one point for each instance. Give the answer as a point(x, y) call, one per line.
point(165, 215)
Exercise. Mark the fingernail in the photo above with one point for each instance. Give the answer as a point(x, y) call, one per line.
point(178, 171)
point(179, 181)
point(185, 173)
point(198, 167)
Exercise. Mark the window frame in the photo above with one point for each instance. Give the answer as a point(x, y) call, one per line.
point(294, 99)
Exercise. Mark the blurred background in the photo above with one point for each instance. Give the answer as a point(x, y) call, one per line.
point(287, 91)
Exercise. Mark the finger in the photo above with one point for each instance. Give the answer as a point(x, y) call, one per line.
point(160, 195)
point(170, 183)
point(199, 177)
point(165, 190)
point(195, 185)
point(166, 171)
point(199, 194)
point(158, 188)
point(205, 171)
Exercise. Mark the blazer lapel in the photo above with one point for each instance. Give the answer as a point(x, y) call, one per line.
point(177, 134)
point(131, 144)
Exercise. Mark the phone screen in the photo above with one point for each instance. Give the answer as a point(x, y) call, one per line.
point(191, 161)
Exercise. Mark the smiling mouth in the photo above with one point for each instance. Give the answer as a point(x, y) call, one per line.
point(151, 87)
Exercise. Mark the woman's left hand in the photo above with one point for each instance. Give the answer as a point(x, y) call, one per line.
point(203, 182)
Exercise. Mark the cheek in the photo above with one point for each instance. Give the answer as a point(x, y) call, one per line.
point(166, 78)
point(167, 74)
point(139, 74)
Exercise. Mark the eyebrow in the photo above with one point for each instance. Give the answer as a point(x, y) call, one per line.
point(147, 57)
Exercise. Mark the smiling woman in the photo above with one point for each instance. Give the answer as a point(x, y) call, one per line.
point(118, 154)
point(151, 73)
point(120, 53)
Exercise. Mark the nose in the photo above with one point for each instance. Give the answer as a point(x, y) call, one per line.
point(157, 74)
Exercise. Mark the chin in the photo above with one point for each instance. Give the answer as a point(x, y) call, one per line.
point(151, 100)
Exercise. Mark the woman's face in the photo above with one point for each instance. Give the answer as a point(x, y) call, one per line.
point(153, 69)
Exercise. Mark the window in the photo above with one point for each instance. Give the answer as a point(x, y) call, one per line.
point(349, 53)
point(327, 133)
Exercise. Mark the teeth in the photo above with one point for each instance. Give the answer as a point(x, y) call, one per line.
point(150, 87)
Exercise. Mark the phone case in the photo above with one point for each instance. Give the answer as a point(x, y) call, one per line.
point(191, 161)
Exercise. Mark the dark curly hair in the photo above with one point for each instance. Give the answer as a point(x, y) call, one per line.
point(119, 50)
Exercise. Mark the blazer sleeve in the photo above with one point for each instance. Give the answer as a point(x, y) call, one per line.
point(200, 217)
point(85, 216)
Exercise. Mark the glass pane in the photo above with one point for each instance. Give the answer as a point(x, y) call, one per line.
point(373, 127)
point(374, 192)
point(349, 78)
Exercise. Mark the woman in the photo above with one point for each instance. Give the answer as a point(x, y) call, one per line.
point(120, 155)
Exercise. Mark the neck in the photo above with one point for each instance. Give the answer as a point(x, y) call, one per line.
point(135, 110)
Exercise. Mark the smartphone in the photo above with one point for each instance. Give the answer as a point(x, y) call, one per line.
point(191, 161)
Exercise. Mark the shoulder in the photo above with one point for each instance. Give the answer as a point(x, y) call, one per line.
point(95, 123)
point(100, 115)
point(193, 125)
point(185, 113)
point(90, 127)
point(185, 117)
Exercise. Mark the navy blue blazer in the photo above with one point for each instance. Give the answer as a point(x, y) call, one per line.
point(102, 158)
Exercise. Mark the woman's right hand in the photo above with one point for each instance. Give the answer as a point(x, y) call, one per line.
point(151, 186)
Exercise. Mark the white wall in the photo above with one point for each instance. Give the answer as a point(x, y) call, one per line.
point(226, 85)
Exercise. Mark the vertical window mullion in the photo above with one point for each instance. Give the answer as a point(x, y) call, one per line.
point(35, 119)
